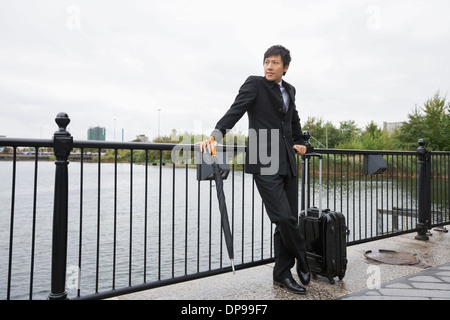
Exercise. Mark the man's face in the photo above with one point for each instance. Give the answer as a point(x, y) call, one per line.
point(274, 69)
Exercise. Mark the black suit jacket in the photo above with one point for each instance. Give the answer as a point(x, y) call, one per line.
point(272, 132)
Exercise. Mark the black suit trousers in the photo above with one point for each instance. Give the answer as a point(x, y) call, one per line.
point(280, 197)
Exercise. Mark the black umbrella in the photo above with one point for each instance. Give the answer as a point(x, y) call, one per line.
point(222, 204)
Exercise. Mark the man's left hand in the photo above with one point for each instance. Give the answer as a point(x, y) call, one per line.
point(300, 149)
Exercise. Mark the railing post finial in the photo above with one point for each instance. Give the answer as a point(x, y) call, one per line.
point(307, 137)
point(62, 120)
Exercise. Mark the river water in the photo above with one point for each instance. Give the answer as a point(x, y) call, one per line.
point(161, 248)
point(113, 218)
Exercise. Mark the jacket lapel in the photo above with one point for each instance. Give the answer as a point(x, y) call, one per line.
point(289, 90)
point(275, 96)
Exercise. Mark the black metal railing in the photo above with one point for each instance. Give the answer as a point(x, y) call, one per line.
point(108, 224)
point(410, 194)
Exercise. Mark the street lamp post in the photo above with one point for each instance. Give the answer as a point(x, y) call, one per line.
point(115, 129)
point(159, 121)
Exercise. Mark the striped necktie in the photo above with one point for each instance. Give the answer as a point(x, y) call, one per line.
point(285, 96)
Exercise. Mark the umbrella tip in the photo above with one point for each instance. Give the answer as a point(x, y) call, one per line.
point(232, 266)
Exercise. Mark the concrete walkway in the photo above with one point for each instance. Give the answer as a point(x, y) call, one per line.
point(364, 279)
point(430, 284)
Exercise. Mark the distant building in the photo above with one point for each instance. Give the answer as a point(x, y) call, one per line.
point(2, 148)
point(142, 138)
point(97, 133)
point(391, 126)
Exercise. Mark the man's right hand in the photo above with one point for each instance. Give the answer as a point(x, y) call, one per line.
point(205, 145)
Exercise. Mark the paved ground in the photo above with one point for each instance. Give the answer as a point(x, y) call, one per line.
point(430, 284)
point(364, 279)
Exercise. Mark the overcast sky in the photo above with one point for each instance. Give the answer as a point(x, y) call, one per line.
point(115, 63)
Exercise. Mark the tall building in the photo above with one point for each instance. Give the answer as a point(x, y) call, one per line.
point(97, 133)
point(391, 126)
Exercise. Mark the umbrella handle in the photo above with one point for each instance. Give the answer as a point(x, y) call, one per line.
point(213, 146)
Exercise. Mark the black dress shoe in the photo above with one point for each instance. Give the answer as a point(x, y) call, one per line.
point(290, 285)
point(305, 275)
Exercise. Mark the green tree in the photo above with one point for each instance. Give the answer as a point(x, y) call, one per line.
point(349, 130)
point(373, 138)
point(411, 130)
point(323, 134)
point(315, 127)
point(431, 122)
point(436, 120)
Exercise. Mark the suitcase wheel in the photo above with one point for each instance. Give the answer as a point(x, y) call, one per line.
point(331, 279)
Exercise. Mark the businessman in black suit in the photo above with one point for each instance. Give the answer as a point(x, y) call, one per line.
point(274, 136)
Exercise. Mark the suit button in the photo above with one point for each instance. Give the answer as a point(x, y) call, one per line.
point(279, 110)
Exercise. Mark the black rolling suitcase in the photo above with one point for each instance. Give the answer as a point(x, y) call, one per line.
point(324, 230)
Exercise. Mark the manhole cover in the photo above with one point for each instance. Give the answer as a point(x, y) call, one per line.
point(392, 257)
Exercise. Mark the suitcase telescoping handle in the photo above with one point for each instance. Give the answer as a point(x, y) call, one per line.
point(305, 198)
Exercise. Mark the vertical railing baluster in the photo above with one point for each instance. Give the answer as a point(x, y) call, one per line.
point(446, 177)
point(402, 193)
point(80, 239)
point(210, 225)
point(115, 222)
point(130, 257)
point(243, 209)
point(434, 190)
point(334, 182)
point(409, 171)
point(198, 225)
point(33, 230)
point(99, 178)
point(438, 190)
point(173, 221)
point(62, 144)
point(11, 223)
point(145, 214)
point(382, 204)
point(354, 191)
point(447, 191)
point(187, 215)
point(397, 194)
point(232, 196)
point(159, 214)
point(253, 218)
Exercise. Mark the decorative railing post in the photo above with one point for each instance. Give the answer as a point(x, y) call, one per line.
point(424, 193)
point(62, 145)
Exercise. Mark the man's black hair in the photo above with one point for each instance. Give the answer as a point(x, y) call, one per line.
point(281, 51)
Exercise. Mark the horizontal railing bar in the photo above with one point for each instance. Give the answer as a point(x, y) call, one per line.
point(23, 142)
point(165, 282)
point(364, 152)
point(17, 142)
point(148, 146)
point(383, 236)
